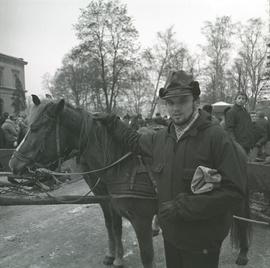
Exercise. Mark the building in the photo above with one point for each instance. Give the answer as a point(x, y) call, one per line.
point(12, 80)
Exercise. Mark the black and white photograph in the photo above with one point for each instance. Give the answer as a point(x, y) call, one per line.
point(134, 134)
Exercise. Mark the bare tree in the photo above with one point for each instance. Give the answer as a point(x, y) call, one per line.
point(138, 89)
point(69, 80)
point(167, 53)
point(218, 37)
point(107, 35)
point(47, 82)
point(252, 53)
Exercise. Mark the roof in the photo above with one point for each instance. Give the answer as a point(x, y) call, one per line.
point(7, 57)
point(221, 103)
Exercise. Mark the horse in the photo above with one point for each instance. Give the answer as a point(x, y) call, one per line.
point(56, 130)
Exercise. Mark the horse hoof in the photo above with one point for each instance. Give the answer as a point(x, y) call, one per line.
point(242, 261)
point(155, 232)
point(108, 260)
point(118, 263)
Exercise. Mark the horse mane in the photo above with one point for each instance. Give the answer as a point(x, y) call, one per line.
point(96, 141)
point(96, 145)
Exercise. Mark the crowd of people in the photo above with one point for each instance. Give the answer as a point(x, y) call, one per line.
point(137, 121)
point(251, 131)
point(13, 129)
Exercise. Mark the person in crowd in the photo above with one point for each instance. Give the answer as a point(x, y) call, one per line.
point(126, 119)
point(159, 120)
point(2, 139)
point(223, 121)
point(3, 118)
point(193, 225)
point(11, 132)
point(137, 122)
point(22, 128)
point(260, 129)
point(238, 123)
point(209, 109)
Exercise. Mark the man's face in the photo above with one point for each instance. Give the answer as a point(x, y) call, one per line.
point(180, 108)
point(241, 100)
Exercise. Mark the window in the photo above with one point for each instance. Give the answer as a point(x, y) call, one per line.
point(1, 105)
point(16, 75)
point(1, 75)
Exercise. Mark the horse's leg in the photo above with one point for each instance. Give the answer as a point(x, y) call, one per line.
point(143, 229)
point(243, 227)
point(241, 233)
point(110, 254)
point(140, 213)
point(155, 226)
point(108, 217)
point(117, 231)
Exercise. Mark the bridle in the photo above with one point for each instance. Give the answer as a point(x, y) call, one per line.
point(67, 154)
point(59, 157)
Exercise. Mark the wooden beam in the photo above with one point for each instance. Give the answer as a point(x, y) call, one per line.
point(66, 199)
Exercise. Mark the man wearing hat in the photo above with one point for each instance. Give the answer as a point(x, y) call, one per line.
point(193, 225)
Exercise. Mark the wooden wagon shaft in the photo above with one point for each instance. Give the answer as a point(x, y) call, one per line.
point(75, 199)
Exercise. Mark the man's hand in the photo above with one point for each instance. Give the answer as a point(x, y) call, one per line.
point(168, 210)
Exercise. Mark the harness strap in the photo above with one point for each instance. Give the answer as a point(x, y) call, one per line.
point(69, 202)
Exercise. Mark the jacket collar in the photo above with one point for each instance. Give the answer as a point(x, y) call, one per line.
point(202, 122)
point(238, 107)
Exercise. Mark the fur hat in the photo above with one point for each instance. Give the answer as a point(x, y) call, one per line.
point(179, 83)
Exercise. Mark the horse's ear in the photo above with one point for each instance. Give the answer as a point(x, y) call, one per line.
point(35, 100)
point(60, 106)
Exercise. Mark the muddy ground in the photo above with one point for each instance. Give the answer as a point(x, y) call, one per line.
point(74, 236)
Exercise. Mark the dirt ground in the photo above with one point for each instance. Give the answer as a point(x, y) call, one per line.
point(74, 236)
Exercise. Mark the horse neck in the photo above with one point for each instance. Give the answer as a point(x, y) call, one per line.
point(71, 119)
point(101, 149)
point(95, 144)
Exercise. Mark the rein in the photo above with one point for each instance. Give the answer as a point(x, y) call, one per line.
point(45, 170)
point(59, 159)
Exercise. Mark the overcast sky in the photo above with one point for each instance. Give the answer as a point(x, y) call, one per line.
point(41, 31)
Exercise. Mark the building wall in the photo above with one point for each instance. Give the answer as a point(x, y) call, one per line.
point(9, 68)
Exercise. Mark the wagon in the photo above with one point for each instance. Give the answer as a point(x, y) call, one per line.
point(7, 179)
point(258, 172)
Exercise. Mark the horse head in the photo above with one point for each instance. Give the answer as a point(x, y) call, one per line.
point(48, 138)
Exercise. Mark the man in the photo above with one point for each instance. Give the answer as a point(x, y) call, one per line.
point(159, 120)
point(239, 124)
point(209, 109)
point(11, 132)
point(193, 225)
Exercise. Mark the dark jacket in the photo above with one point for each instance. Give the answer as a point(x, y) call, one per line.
point(239, 126)
point(202, 221)
point(11, 131)
point(260, 129)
